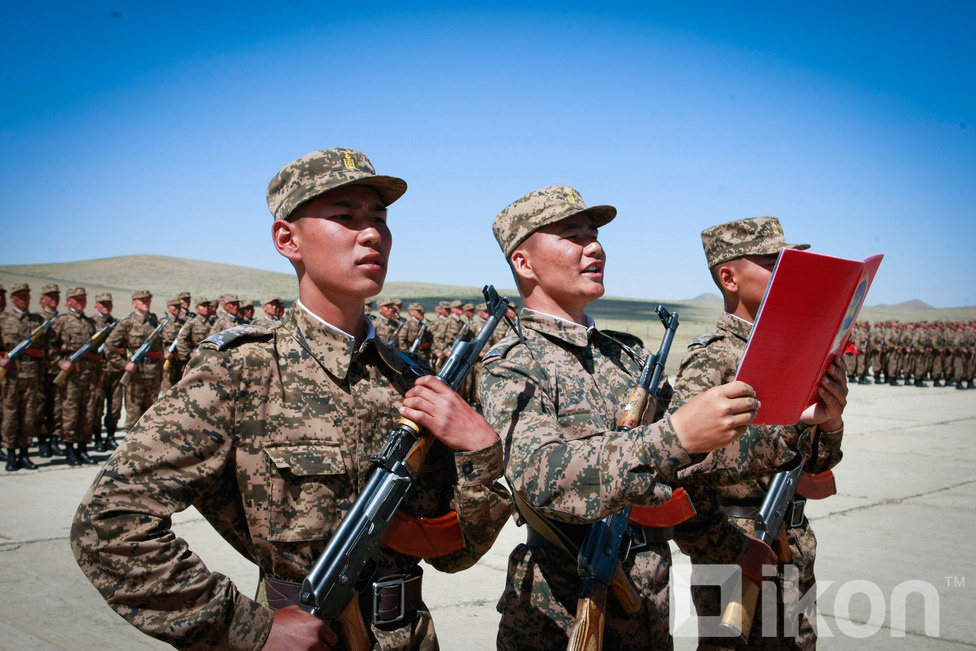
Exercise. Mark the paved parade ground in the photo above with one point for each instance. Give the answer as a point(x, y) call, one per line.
point(903, 522)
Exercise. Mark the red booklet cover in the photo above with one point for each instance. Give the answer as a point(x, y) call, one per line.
point(806, 316)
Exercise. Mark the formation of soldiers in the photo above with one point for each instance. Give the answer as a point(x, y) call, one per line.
point(66, 386)
point(67, 374)
point(914, 353)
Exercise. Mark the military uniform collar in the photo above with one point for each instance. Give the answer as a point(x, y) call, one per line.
point(735, 326)
point(333, 348)
point(554, 326)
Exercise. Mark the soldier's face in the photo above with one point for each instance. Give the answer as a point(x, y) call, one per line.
point(386, 311)
point(185, 303)
point(20, 300)
point(204, 309)
point(104, 307)
point(566, 262)
point(173, 309)
point(77, 303)
point(232, 308)
point(752, 274)
point(141, 305)
point(340, 243)
point(50, 301)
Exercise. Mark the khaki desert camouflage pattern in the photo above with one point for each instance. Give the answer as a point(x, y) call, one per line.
point(192, 334)
point(268, 436)
point(385, 327)
point(408, 334)
point(69, 333)
point(555, 401)
point(540, 208)
point(108, 390)
point(320, 171)
point(741, 471)
point(23, 394)
point(124, 340)
point(757, 236)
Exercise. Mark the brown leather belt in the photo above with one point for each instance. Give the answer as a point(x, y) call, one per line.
point(390, 600)
point(635, 539)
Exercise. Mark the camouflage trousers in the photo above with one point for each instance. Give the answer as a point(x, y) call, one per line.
point(770, 630)
point(108, 401)
point(141, 393)
point(538, 607)
point(78, 404)
point(22, 406)
point(51, 415)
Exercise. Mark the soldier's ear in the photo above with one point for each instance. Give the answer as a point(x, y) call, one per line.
point(726, 278)
point(286, 238)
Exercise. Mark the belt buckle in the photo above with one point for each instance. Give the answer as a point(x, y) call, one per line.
point(796, 516)
point(377, 619)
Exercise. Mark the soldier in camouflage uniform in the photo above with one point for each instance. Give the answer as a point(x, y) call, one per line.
point(268, 436)
point(876, 354)
point(230, 317)
point(893, 346)
point(196, 330)
point(109, 391)
point(23, 396)
point(186, 300)
point(414, 332)
point(145, 377)
point(438, 333)
point(171, 331)
point(273, 309)
point(386, 322)
point(69, 333)
point(49, 433)
point(246, 313)
point(556, 398)
point(741, 256)
point(3, 308)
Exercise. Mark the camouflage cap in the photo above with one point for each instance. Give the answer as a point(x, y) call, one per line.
point(50, 289)
point(735, 239)
point(314, 174)
point(230, 298)
point(142, 293)
point(443, 305)
point(183, 295)
point(270, 299)
point(385, 302)
point(482, 307)
point(74, 292)
point(455, 303)
point(415, 306)
point(202, 300)
point(398, 302)
point(103, 298)
point(175, 302)
point(547, 206)
point(468, 307)
point(19, 287)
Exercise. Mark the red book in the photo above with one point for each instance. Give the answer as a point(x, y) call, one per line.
point(805, 319)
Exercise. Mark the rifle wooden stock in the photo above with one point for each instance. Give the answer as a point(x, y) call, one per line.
point(739, 615)
point(61, 377)
point(351, 627)
point(625, 592)
point(634, 408)
point(587, 633)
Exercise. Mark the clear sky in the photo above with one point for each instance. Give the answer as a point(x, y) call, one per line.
point(154, 127)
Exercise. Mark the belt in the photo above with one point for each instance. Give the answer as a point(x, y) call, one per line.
point(748, 509)
point(36, 353)
point(390, 600)
point(153, 354)
point(635, 539)
point(95, 357)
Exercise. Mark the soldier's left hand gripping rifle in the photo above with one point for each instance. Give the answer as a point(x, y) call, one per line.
point(143, 349)
point(62, 377)
point(346, 565)
point(29, 343)
point(598, 562)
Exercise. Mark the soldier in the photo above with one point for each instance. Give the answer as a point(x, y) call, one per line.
point(146, 376)
point(368, 309)
point(438, 331)
point(173, 364)
point(68, 334)
point(741, 256)
point(230, 318)
point(186, 300)
point(876, 356)
point(108, 392)
point(193, 333)
point(273, 309)
point(23, 391)
point(3, 307)
point(414, 331)
point(386, 322)
point(893, 344)
point(860, 340)
point(273, 470)
point(556, 397)
point(49, 433)
point(940, 348)
point(398, 308)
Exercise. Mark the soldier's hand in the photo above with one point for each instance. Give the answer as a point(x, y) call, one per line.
point(433, 405)
point(716, 417)
point(293, 628)
point(167, 355)
point(4, 362)
point(66, 366)
point(130, 367)
point(828, 411)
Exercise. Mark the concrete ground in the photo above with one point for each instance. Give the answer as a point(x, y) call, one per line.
point(903, 522)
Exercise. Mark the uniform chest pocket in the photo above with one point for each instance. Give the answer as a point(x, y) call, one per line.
point(580, 423)
point(307, 484)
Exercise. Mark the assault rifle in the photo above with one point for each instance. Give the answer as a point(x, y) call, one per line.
point(62, 377)
point(33, 338)
point(597, 559)
point(391, 342)
point(347, 563)
point(172, 347)
point(143, 349)
point(420, 335)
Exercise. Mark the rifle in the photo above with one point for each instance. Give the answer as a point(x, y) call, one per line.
point(172, 347)
point(738, 616)
point(392, 340)
point(420, 335)
point(62, 377)
point(597, 559)
point(31, 339)
point(143, 349)
point(330, 590)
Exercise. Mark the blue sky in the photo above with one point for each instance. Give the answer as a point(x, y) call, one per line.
point(154, 127)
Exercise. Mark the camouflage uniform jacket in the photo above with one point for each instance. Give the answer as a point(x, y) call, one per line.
point(192, 335)
point(224, 322)
point(100, 320)
point(385, 329)
point(556, 399)
point(130, 334)
point(15, 326)
point(69, 333)
point(409, 333)
point(172, 329)
point(268, 436)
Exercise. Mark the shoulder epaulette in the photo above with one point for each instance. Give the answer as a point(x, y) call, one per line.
point(704, 340)
point(502, 348)
point(234, 336)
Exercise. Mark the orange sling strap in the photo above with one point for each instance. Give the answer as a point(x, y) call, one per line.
point(675, 511)
point(816, 486)
point(423, 537)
